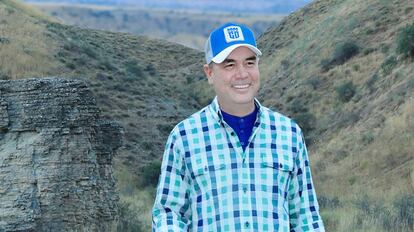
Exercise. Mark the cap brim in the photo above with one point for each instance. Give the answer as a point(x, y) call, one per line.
point(226, 52)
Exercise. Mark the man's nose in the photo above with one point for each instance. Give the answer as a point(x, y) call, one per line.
point(241, 72)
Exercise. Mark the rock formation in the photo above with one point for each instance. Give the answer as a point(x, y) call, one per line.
point(56, 156)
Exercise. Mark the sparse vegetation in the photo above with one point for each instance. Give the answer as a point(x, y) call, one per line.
point(405, 41)
point(343, 51)
point(388, 65)
point(150, 174)
point(315, 82)
point(346, 91)
point(129, 218)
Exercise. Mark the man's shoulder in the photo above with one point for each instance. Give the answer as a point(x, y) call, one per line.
point(278, 118)
point(194, 119)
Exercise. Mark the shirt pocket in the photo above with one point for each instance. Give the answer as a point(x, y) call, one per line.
point(276, 174)
point(205, 176)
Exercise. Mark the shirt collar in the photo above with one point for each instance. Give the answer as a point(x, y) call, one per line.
point(216, 112)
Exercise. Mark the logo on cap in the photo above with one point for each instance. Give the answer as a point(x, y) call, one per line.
point(233, 33)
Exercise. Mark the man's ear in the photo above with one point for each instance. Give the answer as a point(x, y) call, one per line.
point(208, 70)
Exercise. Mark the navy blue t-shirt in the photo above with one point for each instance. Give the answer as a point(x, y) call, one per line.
point(243, 126)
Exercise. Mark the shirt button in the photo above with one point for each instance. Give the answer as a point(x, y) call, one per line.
point(241, 120)
point(244, 189)
point(247, 224)
point(242, 143)
point(232, 133)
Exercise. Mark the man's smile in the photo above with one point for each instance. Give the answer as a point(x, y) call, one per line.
point(241, 86)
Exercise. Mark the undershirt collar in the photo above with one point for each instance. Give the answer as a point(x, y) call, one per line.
point(243, 126)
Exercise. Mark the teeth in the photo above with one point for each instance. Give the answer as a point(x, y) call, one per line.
point(241, 86)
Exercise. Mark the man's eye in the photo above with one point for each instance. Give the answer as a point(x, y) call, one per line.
point(229, 65)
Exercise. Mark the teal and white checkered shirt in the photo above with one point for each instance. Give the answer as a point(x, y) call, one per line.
point(208, 183)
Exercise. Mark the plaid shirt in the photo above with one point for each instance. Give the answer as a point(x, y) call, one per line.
point(208, 183)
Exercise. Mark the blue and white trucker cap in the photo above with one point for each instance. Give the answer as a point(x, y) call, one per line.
point(225, 39)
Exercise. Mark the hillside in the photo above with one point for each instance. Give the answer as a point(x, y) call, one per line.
point(333, 66)
point(146, 85)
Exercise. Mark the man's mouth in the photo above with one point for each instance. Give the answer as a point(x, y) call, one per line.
point(244, 86)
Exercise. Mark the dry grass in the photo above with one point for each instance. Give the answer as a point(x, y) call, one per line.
point(28, 52)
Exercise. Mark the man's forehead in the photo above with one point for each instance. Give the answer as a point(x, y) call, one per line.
point(241, 53)
point(227, 60)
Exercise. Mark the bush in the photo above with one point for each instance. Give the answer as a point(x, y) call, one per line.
point(371, 82)
point(306, 121)
point(325, 64)
point(315, 82)
point(344, 51)
point(404, 206)
point(150, 174)
point(388, 65)
point(297, 106)
point(3, 76)
point(405, 41)
point(128, 218)
point(4, 40)
point(346, 91)
point(133, 69)
point(328, 202)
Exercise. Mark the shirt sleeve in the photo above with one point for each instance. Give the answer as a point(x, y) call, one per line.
point(171, 208)
point(303, 205)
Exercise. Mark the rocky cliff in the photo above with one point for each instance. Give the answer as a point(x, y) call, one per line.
point(56, 156)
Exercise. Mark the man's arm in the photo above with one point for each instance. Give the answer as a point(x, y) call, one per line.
point(171, 210)
point(303, 205)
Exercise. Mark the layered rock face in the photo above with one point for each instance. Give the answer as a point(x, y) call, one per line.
point(56, 155)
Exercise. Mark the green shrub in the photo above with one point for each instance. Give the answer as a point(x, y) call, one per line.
point(388, 65)
point(325, 64)
point(150, 174)
point(315, 82)
point(367, 51)
point(128, 218)
point(384, 48)
point(151, 70)
point(305, 120)
point(4, 40)
point(371, 82)
point(346, 91)
point(405, 41)
point(3, 76)
point(297, 106)
point(404, 206)
point(328, 202)
point(344, 51)
point(133, 69)
point(367, 137)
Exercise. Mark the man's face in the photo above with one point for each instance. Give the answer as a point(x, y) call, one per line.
point(236, 81)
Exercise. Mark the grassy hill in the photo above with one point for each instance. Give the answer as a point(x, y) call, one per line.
point(335, 66)
point(144, 84)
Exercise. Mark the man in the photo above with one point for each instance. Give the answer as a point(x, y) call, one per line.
point(235, 165)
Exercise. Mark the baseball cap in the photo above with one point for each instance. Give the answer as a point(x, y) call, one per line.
point(225, 39)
